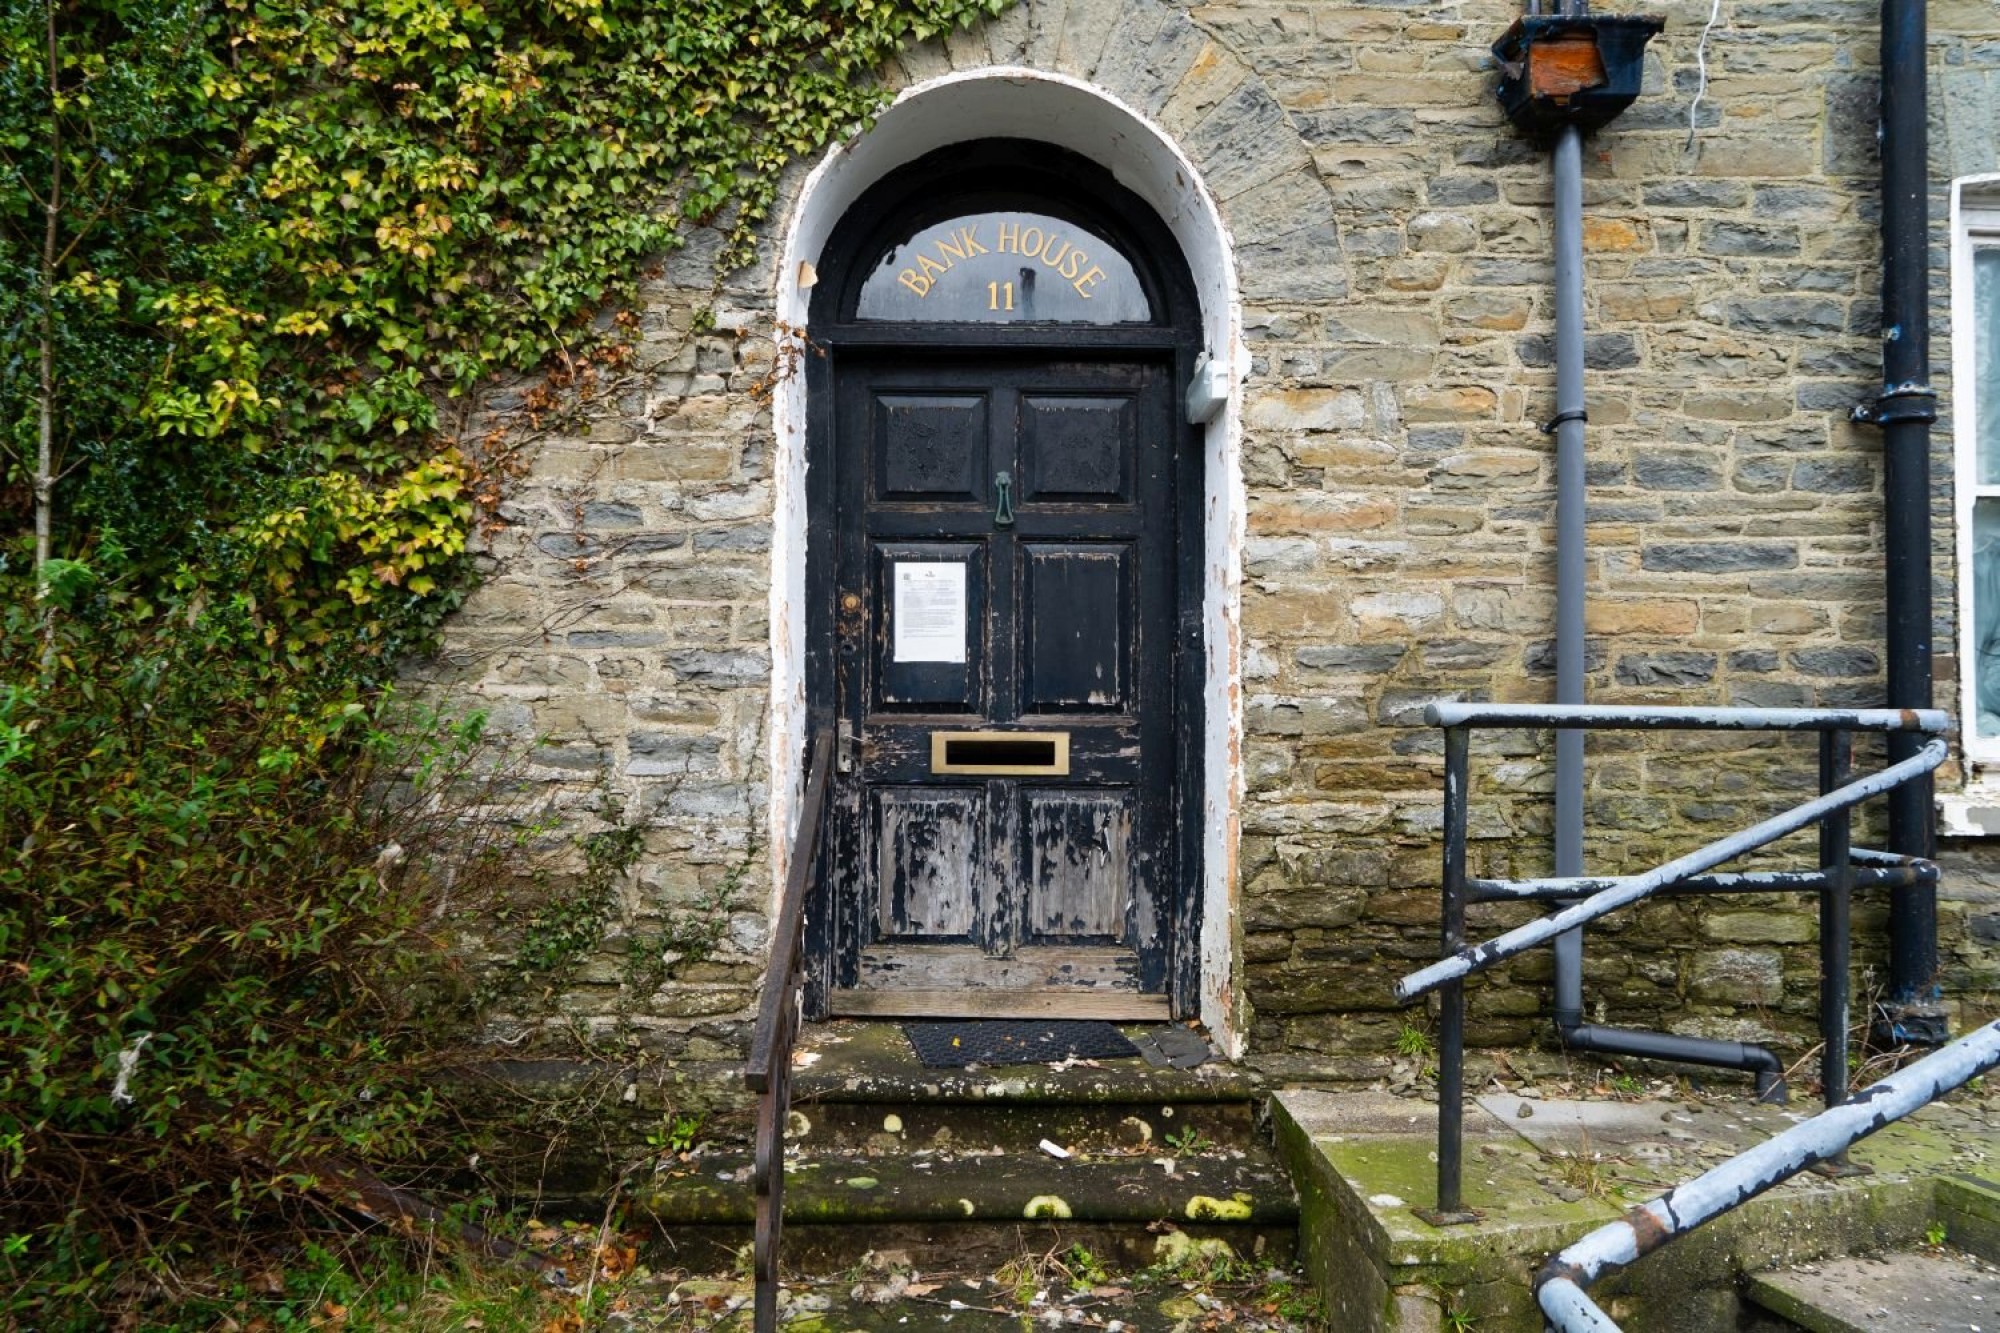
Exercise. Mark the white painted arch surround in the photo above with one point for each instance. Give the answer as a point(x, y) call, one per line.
point(1018, 103)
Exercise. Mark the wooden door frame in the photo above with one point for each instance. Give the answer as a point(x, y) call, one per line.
point(960, 179)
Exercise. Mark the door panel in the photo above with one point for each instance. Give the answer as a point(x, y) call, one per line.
point(1076, 604)
point(929, 686)
point(928, 851)
point(1077, 448)
point(930, 446)
point(1079, 846)
point(1005, 563)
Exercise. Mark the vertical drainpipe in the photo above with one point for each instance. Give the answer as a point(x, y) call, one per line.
point(1570, 501)
point(1558, 95)
point(1905, 411)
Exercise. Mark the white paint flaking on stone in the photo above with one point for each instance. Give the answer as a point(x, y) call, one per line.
point(1014, 102)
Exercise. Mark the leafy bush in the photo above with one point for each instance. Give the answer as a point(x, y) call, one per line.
point(218, 899)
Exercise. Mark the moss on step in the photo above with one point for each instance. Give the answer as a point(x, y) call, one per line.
point(873, 1062)
point(1235, 1187)
point(1361, 1165)
point(1968, 1207)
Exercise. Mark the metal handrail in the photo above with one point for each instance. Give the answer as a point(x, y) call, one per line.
point(1615, 1246)
point(768, 1071)
point(1624, 892)
point(1840, 869)
point(1619, 717)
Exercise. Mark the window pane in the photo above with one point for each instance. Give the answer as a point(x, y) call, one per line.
point(1986, 358)
point(1005, 268)
point(1986, 617)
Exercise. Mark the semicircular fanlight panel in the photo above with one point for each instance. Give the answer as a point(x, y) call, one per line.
point(1004, 268)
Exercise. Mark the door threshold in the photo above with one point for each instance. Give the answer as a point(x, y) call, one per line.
point(1053, 1002)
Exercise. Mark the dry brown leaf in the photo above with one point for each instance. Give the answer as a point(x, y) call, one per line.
point(616, 1260)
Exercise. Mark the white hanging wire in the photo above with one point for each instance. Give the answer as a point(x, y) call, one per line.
point(1701, 65)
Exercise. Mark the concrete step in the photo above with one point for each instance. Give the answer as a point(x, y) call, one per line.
point(1543, 1172)
point(1968, 1208)
point(883, 1153)
point(942, 1208)
point(848, 1061)
point(1909, 1291)
point(1162, 1128)
point(859, 1086)
point(1231, 1186)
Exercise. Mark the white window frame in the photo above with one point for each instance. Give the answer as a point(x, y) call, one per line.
point(1975, 225)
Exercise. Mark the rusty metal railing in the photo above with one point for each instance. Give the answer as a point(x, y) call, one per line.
point(768, 1072)
point(1841, 869)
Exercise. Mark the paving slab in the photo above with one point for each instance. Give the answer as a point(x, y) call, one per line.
point(1908, 1291)
point(1561, 1124)
point(1543, 1171)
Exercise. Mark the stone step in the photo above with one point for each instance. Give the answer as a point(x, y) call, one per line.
point(965, 1211)
point(1227, 1187)
point(1160, 1127)
point(872, 1063)
point(1910, 1291)
point(974, 1248)
point(950, 1209)
point(947, 1165)
point(1968, 1208)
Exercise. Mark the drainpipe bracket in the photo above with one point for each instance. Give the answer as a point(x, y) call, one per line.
point(1917, 1023)
point(1555, 422)
point(1898, 404)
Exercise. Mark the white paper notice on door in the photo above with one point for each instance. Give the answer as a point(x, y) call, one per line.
point(930, 611)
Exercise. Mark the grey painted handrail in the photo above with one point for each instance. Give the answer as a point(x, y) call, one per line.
point(1559, 1287)
point(1838, 872)
point(1479, 957)
point(1451, 713)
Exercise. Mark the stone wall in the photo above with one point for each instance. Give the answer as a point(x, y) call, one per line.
point(1393, 236)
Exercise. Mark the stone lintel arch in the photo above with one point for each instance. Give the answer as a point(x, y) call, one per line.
point(1236, 151)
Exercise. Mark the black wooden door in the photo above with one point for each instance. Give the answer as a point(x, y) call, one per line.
point(1004, 613)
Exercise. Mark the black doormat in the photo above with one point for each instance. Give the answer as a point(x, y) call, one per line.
point(949, 1044)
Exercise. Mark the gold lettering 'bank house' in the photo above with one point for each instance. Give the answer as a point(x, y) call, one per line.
point(1014, 236)
point(1116, 447)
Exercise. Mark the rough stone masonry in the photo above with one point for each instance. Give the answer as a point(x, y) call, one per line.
point(1391, 232)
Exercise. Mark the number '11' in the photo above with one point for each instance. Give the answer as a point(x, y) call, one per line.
point(999, 296)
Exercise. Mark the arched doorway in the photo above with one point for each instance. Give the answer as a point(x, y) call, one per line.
point(1004, 594)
